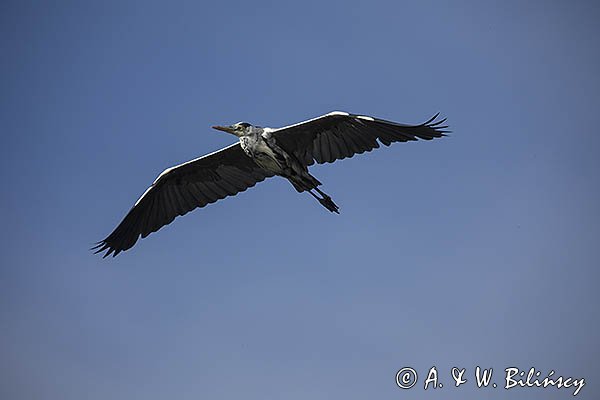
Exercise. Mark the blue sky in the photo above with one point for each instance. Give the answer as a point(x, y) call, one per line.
point(478, 249)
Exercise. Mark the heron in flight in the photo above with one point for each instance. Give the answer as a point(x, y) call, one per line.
point(260, 153)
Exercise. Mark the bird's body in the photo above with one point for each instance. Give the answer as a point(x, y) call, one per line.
point(261, 146)
point(260, 153)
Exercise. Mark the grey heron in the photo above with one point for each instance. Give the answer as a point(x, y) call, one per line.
point(260, 153)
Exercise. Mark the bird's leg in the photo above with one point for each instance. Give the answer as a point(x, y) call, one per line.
point(325, 201)
point(313, 195)
point(325, 195)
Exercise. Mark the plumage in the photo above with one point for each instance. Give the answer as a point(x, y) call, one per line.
point(259, 154)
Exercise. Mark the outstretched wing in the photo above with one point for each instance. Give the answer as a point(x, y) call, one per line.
point(181, 189)
point(340, 135)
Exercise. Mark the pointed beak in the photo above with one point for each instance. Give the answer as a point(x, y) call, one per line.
point(227, 129)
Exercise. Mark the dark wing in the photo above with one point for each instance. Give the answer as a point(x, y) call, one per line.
point(181, 189)
point(339, 135)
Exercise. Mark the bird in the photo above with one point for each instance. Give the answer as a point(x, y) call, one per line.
point(260, 153)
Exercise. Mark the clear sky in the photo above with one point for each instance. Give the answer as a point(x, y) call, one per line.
point(477, 249)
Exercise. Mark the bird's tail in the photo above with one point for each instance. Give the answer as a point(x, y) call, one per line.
point(304, 182)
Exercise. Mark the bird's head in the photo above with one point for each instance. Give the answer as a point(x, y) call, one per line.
point(237, 129)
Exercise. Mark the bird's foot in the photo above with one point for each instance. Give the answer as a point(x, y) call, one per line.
point(329, 204)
